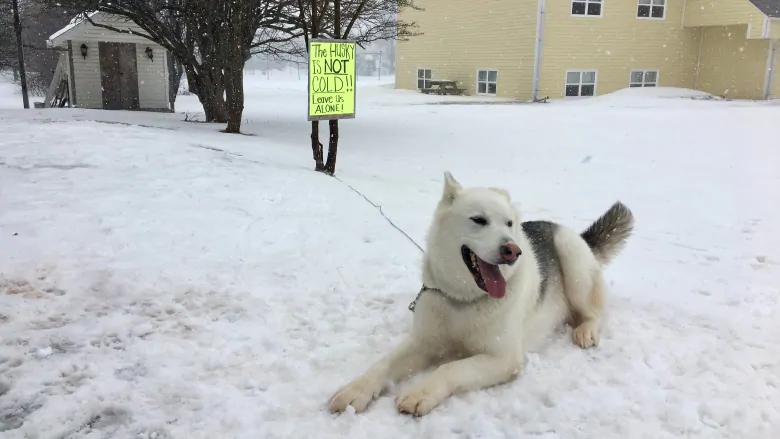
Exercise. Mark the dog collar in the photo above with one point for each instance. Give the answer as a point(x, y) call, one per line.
point(453, 301)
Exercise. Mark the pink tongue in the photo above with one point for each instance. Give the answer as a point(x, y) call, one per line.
point(494, 281)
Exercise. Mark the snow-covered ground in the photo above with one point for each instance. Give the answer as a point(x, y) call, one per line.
point(159, 279)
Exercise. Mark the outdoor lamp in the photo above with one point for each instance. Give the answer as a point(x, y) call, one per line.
point(84, 50)
point(150, 53)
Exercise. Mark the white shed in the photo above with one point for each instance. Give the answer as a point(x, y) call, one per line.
point(103, 69)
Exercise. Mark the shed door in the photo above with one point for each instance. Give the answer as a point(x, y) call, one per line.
point(118, 76)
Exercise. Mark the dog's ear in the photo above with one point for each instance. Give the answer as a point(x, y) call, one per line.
point(451, 188)
point(502, 192)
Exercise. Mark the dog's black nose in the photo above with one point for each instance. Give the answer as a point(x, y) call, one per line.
point(510, 252)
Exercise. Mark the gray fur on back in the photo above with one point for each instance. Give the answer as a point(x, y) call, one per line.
point(541, 234)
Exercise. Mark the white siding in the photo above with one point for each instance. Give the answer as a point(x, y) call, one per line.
point(152, 75)
point(87, 76)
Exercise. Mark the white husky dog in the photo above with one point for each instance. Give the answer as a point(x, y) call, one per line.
point(493, 288)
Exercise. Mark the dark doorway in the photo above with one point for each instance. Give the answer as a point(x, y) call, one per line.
point(119, 76)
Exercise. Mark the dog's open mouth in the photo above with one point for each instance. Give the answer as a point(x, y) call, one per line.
point(487, 276)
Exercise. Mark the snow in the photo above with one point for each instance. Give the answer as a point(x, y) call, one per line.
point(11, 94)
point(159, 279)
point(661, 92)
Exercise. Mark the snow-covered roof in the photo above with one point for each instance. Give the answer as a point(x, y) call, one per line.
point(74, 22)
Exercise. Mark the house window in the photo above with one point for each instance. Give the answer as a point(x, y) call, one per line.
point(643, 78)
point(586, 7)
point(487, 82)
point(581, 83)
point(423, 78)
point(651, 9)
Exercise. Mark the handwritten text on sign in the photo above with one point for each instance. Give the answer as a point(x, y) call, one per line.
point(331, 80)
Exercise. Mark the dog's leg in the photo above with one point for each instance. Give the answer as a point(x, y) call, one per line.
point(583, 286)
point(405, 360)
point(588, 305)
point(465, 375)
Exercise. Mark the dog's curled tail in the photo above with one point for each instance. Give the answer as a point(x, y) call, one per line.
point(608, 234)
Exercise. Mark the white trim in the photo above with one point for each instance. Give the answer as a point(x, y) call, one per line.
point(644, 71)
point(682, 19)
point(71, 78)
point(636, 12)
point(770, 64)
point(417, 77)
point(581, 71)
point(538, 51)
point(585, 15)
point(765, 29)
point(747, 35)
point(487, 81)
point(167, 80)
point(698, 60)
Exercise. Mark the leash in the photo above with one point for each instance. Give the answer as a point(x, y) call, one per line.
point(381, 212)
point(414, 302)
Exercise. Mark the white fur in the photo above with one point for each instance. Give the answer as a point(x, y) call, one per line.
point(481, 344)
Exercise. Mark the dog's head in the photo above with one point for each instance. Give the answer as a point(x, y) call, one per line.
point(472, 243)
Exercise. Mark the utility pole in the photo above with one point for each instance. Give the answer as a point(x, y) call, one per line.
point(20, 53)
point(380, 65)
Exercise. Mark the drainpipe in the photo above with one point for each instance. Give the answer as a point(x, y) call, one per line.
point(770, 60)
point(698, 60)
point(538, 50)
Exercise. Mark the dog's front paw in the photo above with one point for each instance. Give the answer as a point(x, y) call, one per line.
point(586, 335)
point(420, 400)
point(358, 394)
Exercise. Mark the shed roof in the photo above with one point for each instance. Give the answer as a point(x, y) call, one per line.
point(770, 8)
point(74, 22)
point(80, 23)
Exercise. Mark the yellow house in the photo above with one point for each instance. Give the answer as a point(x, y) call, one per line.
point(530, 49)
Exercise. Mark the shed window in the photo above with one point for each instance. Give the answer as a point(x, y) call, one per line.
point(581, 83)
point(487, 82)
point(586, 7)
point(423, 78)
point(655, 9)
point(643, 78)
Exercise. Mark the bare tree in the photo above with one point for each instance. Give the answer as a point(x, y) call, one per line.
point(20, 53)
point(8, 59)
point(37, 23)
point(362, 21)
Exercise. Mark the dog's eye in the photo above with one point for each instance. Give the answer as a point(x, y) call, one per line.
point(510, 223)
point(479, 220)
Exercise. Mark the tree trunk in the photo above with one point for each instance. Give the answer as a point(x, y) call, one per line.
point(175, 71)
point(316, 146)
point(208, 84)
point(234, 85)
point(333, 124)
point(218, 95)
point(20, 53)
point(333, 147)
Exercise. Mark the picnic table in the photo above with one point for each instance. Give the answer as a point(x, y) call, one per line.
point(443, 87)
